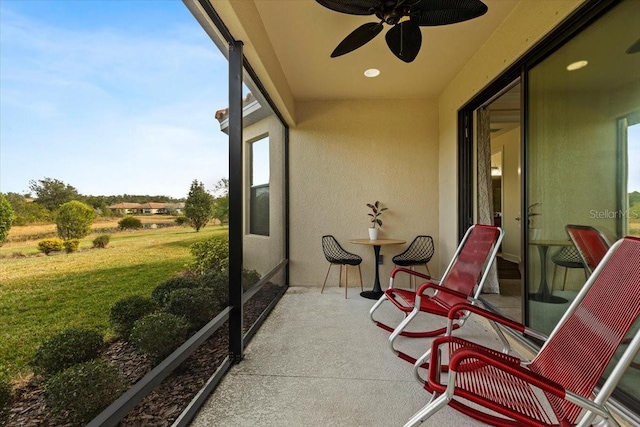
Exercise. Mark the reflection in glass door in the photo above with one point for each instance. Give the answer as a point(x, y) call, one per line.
point(579, 168)
point(628, 213)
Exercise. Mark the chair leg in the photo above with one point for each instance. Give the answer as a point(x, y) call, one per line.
point(346, 280)
point(360, 273)
point(564, 281)
point(427, 267)
point(340, 280)
point(325, 277)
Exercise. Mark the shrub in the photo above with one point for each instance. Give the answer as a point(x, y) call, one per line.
point(210, 254)
point(160, 295)
point(158, 335)
point(129, 223)
point(74, 219)
point(126, 311)
point(218, 282)
point(65, 349)
point(84, 390)
point(182, 220)
point(5, 393)
point(71, 245)
point(7, 217)
point(249, 278)
point(101, 241)
point(197, 305)
point(53, 244)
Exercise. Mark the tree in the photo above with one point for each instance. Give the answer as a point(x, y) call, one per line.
point(26, 211)
point(198, 207)
point(53, 193)
point(6, 218)
point(221, 203)
point(74, 220)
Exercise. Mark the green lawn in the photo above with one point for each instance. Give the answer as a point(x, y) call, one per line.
point(42, 295)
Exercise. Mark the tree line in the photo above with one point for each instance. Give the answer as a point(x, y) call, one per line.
point(51, 195)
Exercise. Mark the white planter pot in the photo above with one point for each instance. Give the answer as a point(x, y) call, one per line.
point(373, 234)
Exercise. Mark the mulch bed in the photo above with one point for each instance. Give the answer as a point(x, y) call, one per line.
point(163, 405)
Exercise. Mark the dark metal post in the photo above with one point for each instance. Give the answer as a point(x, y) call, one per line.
point(235, 201)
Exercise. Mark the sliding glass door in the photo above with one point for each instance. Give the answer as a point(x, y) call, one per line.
point(582, 157)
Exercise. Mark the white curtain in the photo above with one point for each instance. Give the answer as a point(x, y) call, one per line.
point(484, 190)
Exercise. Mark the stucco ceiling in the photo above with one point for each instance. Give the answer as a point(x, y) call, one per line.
point(303, 34)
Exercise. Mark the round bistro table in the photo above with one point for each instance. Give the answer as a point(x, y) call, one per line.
point(376, 292)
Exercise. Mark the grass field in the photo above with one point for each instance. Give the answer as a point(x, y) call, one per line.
point(41, 295)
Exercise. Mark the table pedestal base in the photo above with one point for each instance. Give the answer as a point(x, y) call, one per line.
point(371, 294)
point(551, 299)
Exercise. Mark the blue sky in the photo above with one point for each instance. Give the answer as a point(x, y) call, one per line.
point(111, 97)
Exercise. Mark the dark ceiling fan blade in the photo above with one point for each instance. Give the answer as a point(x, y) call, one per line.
point(634, 48)
point(352, 7)
point(405, 40)
point(359, 37)
point(444, 12)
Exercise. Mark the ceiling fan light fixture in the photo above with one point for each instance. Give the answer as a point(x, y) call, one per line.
point(372, 72)
point(577, 65)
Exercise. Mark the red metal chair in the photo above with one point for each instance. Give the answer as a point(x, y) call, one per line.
point(591, 244)
point(461, 282)
point(557, 388)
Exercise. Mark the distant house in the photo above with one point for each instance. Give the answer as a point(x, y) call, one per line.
point(153, 208)
point(126, 208)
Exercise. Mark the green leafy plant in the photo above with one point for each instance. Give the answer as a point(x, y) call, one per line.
point(158, 335)
point(66, 349)
point(161, 293)
point(129, 223)
point(71, 245)
point(82, 391)
point(5, 392)
point(376, 211)
point(74, 219)
point(197, 305)
point(53, 244)
point(198, 206)
point(210, 255)
point(7, 217)
point(182, 220)
point(126, 311)
point(101, 241)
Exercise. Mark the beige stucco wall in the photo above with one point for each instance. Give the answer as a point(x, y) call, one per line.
point(263, 253)
point(527, 24)
point(344, 154)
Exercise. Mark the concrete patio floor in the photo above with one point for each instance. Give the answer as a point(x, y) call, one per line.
point(319, 361)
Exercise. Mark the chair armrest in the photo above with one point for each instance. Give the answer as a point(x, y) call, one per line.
point(429, 285)
point(514, 369)
point(494, 317)
point(410, 272)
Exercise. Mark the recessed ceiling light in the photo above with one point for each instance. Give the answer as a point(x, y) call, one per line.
point(577, 65)
point(372, 72)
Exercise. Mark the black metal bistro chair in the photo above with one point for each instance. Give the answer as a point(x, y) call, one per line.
point(336, 255)
point(567, 257)
point(419, 252)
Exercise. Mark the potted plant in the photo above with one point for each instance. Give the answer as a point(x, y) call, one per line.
point(533, 231)
point(376, 211)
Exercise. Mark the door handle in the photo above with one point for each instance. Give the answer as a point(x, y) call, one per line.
point(517, 218)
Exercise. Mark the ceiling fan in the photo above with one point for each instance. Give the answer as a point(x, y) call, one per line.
point(404, 38)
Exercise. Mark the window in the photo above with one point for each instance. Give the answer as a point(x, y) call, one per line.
point(259, 197)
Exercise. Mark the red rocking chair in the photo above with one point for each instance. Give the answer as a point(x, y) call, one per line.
point(461, 282)
point(557, 388)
